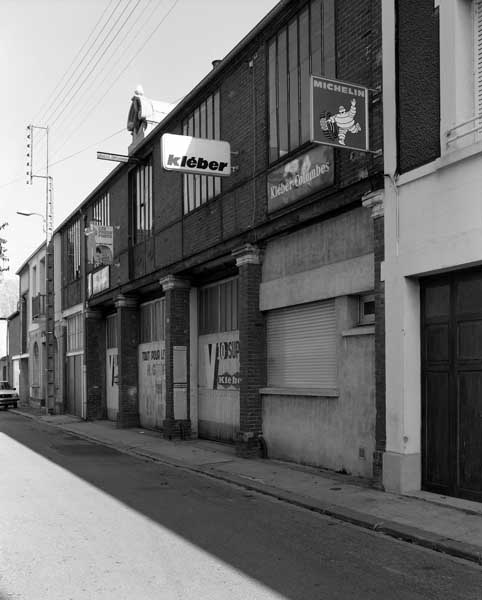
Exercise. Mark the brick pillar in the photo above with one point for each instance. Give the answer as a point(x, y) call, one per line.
point(94, 357)
point(252, 342)
point(177, 423)
point(374, 202)
point(128, 340)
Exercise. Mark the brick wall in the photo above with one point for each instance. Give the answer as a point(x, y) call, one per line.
point(94, 360)
point(418, 71)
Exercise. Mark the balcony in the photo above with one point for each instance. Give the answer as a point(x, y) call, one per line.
point(38, 306)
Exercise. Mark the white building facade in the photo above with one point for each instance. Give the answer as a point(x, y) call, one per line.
point(433, 247)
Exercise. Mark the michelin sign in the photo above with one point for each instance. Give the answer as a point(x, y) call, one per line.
point(339, 114)
point(195, 155)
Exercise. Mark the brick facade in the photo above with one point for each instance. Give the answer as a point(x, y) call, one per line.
point(200, 247)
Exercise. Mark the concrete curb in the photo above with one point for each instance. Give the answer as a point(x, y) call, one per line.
point(406, 533)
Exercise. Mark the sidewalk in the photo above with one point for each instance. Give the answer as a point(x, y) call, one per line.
point(448, 525)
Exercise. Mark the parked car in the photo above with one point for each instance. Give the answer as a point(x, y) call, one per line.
point(8, 395)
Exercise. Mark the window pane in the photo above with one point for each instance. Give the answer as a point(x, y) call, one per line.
point(304, 76)
point(328, 38)
point(316, 53)
point(203, 117)
point(205, 123)
point(185, 193)
point(273, 126)
point(197, 187)
point(217, 117)
point(197, 123)
point(209, 118)
point(222, 307)
point(293, 83)
point(234, 322)
point(190, 182)
point(283, 94)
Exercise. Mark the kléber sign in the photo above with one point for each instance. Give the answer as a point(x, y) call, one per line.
point(300, 177)
point(339, 114)
point(195, 155)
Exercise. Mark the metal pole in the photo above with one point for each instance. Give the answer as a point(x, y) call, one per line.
point(48, 237)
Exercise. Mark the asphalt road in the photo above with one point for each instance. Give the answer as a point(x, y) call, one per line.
point(82, 521)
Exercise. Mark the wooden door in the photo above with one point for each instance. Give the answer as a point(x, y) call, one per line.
point(452, 384)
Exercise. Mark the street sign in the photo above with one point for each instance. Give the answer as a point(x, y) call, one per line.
point(115, 157)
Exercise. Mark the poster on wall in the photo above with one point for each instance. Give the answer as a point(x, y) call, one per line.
point(152, 383)
point(100, 244)
point(220, 360)
point(300, 177)
point(339, 114)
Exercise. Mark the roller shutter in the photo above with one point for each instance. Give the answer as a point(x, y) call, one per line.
point(301, 344)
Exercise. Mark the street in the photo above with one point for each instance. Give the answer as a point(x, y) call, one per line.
point(83, 521)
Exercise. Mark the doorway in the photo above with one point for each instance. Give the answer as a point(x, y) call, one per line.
point(451, 312)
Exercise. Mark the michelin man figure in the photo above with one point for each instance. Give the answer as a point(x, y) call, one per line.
point(342, 122)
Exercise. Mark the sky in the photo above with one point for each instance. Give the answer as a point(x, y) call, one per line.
point(72, 66)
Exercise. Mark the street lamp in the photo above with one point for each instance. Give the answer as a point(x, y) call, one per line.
point(25, 213)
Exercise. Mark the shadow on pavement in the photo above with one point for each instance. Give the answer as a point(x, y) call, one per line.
point(288, 550)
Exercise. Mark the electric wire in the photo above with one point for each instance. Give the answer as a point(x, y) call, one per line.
point(86, 148)
point(65, 106)
point(119, 74)
point(125, 45)
point(89, 112)
point(46, 116)
point(51, 97)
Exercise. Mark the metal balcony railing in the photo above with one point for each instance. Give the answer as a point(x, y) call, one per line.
point(38, 306)
point(453, 133)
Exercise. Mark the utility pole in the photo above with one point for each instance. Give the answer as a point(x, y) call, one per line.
point(49, 262)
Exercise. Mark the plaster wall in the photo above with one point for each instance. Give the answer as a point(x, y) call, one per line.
point(433, 223)
point(440, 217)
point(331, 259)
point(335, 432)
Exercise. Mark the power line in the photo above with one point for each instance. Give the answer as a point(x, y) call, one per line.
point(55, 99)
point(92, 108)
point(66, 104)
point(53, 94)
point(87, 147)
point(125, 47)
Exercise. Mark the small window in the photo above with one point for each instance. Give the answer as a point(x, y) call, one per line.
point(75, 333)
point(111, 331)
point(204, 122)
point(218, 307)
point(367, 309)
point(152, 321)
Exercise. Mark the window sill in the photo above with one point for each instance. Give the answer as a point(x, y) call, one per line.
point(360, 330)
point(317, 392)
